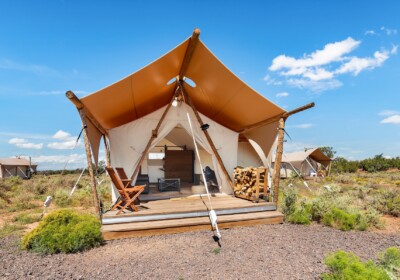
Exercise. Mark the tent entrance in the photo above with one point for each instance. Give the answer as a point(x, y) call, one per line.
point(172, 166)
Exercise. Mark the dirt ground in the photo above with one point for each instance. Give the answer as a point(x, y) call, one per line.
point(283, 251)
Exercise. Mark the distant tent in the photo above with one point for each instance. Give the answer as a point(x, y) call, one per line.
point(311, 162)
point(16, 167)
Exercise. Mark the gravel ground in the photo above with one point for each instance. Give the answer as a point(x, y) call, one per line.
point(283, 251)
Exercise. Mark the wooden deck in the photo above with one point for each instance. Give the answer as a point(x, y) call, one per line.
point(187, 214)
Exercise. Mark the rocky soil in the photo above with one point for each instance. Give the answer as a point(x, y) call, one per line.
point(263, 252)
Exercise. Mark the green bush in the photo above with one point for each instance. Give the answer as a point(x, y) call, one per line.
point(343, 265)
point(26, 218)
point(340, 219)
point(301, 216)
point(289, 200)
point(61, 198)
point(64, 231)
point(390, 261)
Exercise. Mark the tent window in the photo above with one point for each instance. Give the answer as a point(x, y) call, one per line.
point(156, 155)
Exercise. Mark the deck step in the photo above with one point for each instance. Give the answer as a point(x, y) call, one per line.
point(136, 229)
point(182, 215)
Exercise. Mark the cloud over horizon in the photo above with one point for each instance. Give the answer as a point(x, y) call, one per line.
point(319, 70)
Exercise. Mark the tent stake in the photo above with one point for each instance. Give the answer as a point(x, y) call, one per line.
point(278, 159)
point(221, 164)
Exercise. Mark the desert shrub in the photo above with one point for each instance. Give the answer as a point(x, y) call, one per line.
point(40, 189)
point(26, 218)
point(64, 231)
point(390, 261)
point(340, 219)
point(13, 181)
point(343, 265)
point(387, 202)
point(289, 200)
point(61, 198)
point(22, 201)
point(9, 229)
point(301, 215)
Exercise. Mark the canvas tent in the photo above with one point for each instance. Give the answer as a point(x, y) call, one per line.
point(307, 163)
point(135, 113)
point(16, 167)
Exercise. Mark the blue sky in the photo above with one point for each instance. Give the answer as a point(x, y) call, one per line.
point(340, 54)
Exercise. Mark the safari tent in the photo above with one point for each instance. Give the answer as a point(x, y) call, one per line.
point(16, 167)
point(308, 163)
point(184, 95)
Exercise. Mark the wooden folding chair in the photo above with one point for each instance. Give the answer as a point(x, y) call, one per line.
point(128, 194)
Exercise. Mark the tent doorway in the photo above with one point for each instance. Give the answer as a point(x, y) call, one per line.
point(172, 166)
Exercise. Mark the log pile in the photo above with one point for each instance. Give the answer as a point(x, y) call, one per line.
point(250, 183)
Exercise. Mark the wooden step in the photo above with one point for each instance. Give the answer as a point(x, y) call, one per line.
point(136, 229)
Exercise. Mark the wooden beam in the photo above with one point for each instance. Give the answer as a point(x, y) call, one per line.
point(189, 53)
point(277, 117)
point(153, 136)
point(278, 159)
point(221, 164)
point(79, 105)
point(297, 110)
point(90, 166)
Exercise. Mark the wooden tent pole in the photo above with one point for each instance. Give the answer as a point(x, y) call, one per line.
point(278, 159)
point(107, 151)
point(79, 105)
point(153, 136)
point(83, 113)
point(221, 164)
point(276, 118)
point(90, 165)
point(189, 53)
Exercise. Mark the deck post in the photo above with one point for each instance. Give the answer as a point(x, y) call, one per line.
point(221, 164)
point(83, 114)
point(278, 159)
point(153, 136)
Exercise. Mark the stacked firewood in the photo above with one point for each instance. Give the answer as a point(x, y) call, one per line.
point(245, 180)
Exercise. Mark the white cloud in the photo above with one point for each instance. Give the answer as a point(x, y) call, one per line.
point(331, 52)
point(388, 113)
point(395, 119)
point(17, 141)
point(282, 94)
point(24, 144)
point(370, 32)
point(31, 68)
point(355, 65)
point(29, 146)
point(394, 49)
point(303, 126)
point(315, 86)
point(319, 70)
point(65, 145)
point(389, 31)
point(61, 135)
point(271, 81)
point(60, 158)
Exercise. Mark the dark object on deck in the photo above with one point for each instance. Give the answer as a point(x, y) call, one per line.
point(205, 126)
point(173, 184)
point(143, 179)
point(211, 180)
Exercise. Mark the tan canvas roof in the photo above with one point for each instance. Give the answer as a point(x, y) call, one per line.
point(316, 154)
point(15, 162)
point(218, 93)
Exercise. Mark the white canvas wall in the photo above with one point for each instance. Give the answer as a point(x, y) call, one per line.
point(127, 142)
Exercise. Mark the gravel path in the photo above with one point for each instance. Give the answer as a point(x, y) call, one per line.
point(283, 251)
